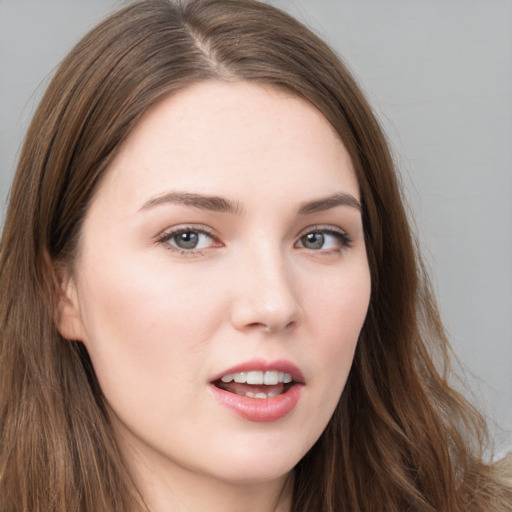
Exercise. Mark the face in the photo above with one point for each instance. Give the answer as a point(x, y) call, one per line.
point(221, 283)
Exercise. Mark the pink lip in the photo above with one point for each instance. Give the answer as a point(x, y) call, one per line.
point(261, 409)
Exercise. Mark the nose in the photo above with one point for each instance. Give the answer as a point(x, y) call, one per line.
point(267, 297)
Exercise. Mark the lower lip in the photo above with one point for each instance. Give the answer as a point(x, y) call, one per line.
point(259, 409)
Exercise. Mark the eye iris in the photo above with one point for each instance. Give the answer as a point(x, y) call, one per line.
point(313, 240)
point(187, 240)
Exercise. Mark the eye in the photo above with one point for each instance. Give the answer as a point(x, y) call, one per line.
point(188, 239)
point(324, 239)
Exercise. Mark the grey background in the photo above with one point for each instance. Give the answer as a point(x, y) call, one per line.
point(439, 74)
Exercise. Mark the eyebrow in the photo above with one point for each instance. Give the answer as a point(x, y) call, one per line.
point(200, 201)
point(223, 205)
point(326, 203)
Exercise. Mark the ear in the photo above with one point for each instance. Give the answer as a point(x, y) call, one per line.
point(67, 307)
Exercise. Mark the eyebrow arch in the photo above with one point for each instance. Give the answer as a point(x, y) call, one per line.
point(326, 203)
point(202, 202)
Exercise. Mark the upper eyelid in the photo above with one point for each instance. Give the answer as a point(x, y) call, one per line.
point(345, 237)
point(166, 236)
point(322, 227)
point(168, 232)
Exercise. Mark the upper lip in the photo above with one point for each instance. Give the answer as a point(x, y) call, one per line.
point(280, 365)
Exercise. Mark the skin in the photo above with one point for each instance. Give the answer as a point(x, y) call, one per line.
point(160, 321)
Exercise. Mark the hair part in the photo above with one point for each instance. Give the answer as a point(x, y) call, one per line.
point(400, 437)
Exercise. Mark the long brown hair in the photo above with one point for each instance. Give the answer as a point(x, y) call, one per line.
point(400, 440)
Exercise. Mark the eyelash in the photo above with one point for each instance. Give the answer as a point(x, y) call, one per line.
point(166, 237)
point(341, 236)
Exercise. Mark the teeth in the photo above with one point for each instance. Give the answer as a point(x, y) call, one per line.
point(256, 377)
point(240, 377)
point(271, 378)
point(260, 395)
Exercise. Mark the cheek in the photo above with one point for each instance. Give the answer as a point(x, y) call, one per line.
point(337, 313)
point(146, 324)
point(339, 300)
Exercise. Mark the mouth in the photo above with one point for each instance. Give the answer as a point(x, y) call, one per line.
point(259, 391)
point(256, 384)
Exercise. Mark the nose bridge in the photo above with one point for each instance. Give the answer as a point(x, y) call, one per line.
point(267, 297)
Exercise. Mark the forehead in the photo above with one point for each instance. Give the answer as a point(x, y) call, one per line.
point(216, 136)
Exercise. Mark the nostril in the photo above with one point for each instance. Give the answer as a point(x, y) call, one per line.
point(269, 327)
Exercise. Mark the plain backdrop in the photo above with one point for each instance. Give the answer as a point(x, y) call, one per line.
point(439, 75)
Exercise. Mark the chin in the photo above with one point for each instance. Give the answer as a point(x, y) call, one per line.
point(255, 465)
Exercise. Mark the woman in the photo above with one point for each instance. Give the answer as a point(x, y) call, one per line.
point(211, 297)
